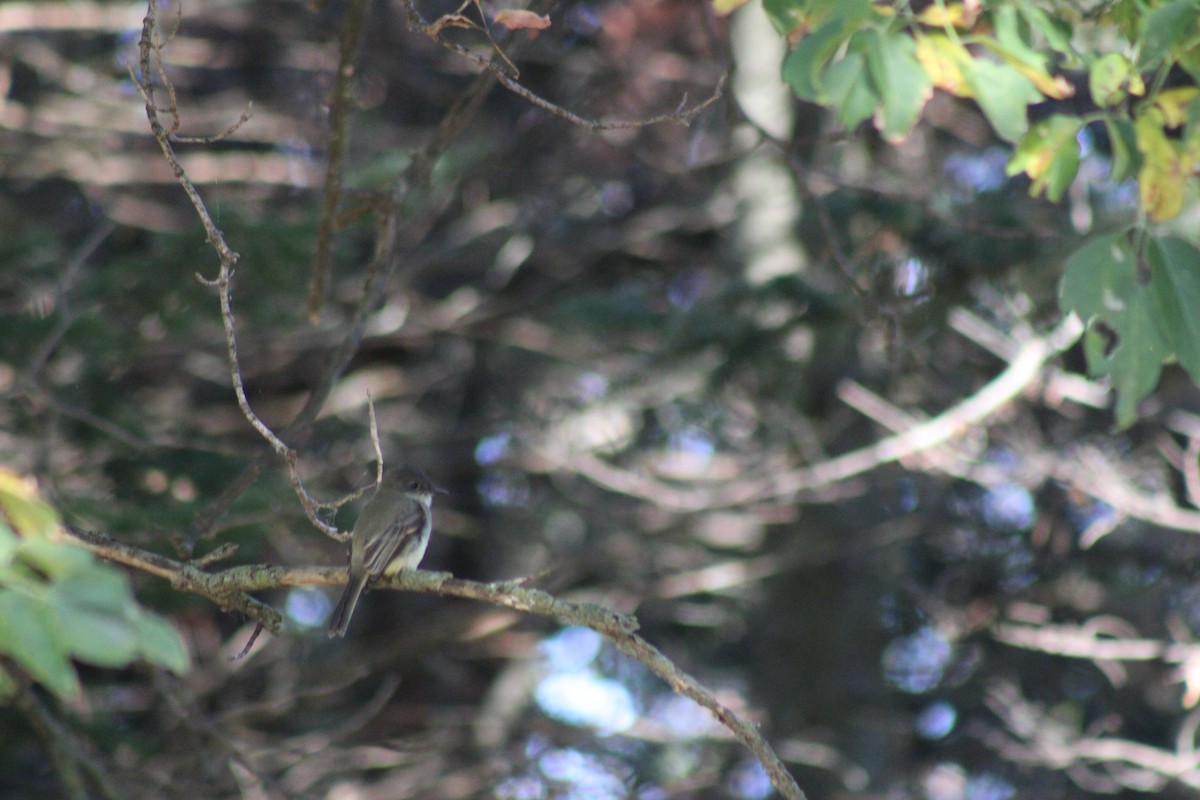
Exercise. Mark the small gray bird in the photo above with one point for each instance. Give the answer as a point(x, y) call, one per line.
point(391, 534)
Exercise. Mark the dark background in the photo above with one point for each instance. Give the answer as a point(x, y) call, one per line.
point(577, 318)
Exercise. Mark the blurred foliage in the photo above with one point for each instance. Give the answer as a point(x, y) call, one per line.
point(865, 59)
point(58, 603)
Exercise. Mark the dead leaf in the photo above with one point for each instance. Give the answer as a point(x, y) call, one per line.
point(515, 19)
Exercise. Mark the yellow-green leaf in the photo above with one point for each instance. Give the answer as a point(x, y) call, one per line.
point(1166, 166)
point(19, 504)
point(1112, 77)
point(952, 14)
point(943, 60)
point(1174, 104)
point(1011, 46)
point(726, 7)
point(1049, 155)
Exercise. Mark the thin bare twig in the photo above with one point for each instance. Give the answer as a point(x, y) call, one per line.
point(150, 63)
point(680, 115)
point(385, 262)
point(339, 139)
point(63, 289)
point(1093, 761)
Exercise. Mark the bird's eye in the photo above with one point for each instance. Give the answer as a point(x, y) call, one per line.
point(414, 486)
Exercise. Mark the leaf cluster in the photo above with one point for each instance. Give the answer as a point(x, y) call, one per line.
point(59, 604)
point(1016, 60)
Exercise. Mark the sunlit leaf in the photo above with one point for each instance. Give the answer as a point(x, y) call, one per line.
point(1112, 77)
point(956, 15)
point(943, 60)
point(1101, 286)
point(20, 506)
point(1012, 46)
point(1175, 104)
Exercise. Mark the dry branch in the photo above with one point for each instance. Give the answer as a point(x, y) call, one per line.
point(230, 588)
point(1026, 369)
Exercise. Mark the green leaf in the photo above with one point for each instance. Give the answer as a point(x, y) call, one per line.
point(1012, 38)
point(1003, 93)
point(160, 644)
point(903, 84)
point(1168, 26)
point(53, 559)
point(786, 15)
point(1126, 16)
point(804, 63)
point(27, 634)
point(8, 545)
point(1175, 288)
point(1012, 44)
point(1056, 31)
point(97, 612)
point(848, 89)
point(1112, 77)
point(1049, 155)
point(8, 687)
point(1101, 286)
point(99, 589)
point(1126, 160)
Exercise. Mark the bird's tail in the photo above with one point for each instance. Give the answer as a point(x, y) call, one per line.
point(340, 619)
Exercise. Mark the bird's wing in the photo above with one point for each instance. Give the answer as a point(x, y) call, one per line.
point(382, 549)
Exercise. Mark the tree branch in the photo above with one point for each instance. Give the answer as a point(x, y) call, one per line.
point(229, 588)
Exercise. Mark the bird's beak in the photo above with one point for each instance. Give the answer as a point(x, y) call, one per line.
point(439, 490)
